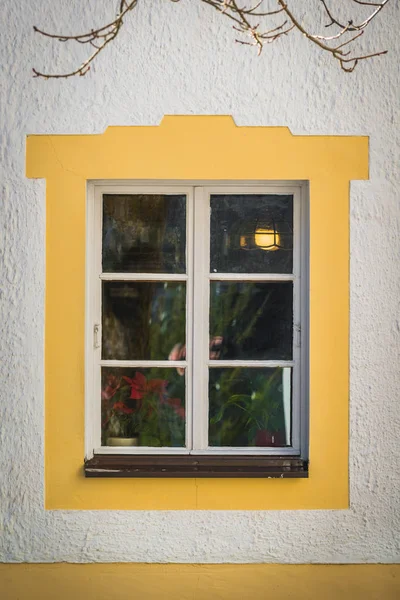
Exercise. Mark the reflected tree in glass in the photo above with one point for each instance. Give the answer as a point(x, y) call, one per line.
point(142, 320)
point(144, 233)
point(247, 407)
point(253, 320)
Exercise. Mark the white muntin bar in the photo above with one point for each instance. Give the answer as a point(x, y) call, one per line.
point(251, 277)
point(148, 364)
point(251, 364)
point(248, 451)
point(143, 277)
point(139, 450)
point(210, 451)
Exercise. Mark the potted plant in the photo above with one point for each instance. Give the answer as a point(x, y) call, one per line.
point(138, 411)
point(119, 422)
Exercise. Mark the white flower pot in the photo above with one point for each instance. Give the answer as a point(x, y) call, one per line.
point(121, 441)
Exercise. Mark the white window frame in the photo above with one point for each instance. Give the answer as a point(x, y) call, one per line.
point(197, 303)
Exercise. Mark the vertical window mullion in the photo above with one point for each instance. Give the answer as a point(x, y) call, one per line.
point(297, 324)
point(90, 405)
point(200, 321)
point(304, 253)
point(95, 338)
point(190, 252)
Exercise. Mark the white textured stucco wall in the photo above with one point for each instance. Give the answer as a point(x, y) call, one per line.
point(181, 59)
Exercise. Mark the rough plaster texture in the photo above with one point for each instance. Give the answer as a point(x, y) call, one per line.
point(181, 59)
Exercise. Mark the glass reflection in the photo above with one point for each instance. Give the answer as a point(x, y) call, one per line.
point(249, 407)
point(144, 233)
point(143, 407)
point(251, 320)
point(251, 233)
point(142, 320)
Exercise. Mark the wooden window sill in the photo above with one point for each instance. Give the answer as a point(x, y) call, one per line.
point(106, 465)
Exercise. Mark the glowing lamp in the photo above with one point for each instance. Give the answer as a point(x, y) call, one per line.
point(267, 239)
point(243, 241)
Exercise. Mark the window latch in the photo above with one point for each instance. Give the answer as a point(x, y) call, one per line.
point(96, 340)
point(297, 336)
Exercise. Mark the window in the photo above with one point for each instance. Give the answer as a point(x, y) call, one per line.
point(200, 150)
point(196, 300)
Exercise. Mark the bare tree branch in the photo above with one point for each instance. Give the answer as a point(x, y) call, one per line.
point(351, 25)
point(104, 35)
point(260, 26)
point(347, 62)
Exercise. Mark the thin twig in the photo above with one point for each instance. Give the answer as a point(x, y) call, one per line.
point(258, 26)
point(337, 51)
point(353, 26)
point(104, 34)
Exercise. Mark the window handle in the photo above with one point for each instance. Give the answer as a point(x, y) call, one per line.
point(297, 336)
point(96, 335)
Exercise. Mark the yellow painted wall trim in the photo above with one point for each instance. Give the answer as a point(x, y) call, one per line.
point(196, 148)
point(199, 582)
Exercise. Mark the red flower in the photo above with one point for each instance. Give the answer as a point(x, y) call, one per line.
point(157, 386)
point(180, 412)
point(140, 386)
point(112, 386)
point(120, 407)
point(175, 403)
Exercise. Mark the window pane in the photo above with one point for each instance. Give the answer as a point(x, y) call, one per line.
point(251, 320)
point(249, 407)
point(144, 233)
point(142, 320)
point(143, 407)
point(251, 233)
